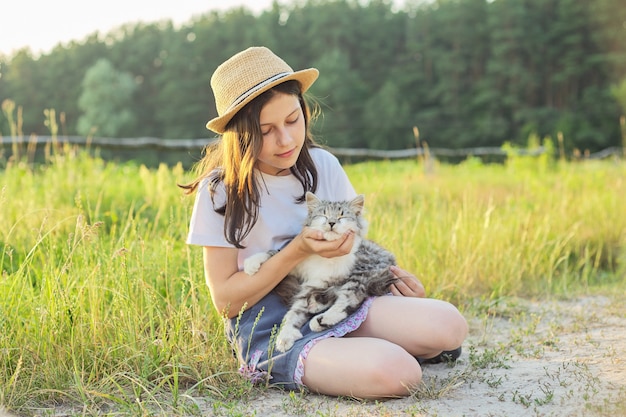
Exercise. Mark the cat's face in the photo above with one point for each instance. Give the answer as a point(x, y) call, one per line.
point(334, 218)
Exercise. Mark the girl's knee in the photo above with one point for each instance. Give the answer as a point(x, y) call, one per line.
point(453, 326)
point(458, 329)
point(396, 373)
point(361, 367)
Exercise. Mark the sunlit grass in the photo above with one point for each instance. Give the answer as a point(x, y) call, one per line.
point(102, 302)
point(495, 230)
point(101, 298)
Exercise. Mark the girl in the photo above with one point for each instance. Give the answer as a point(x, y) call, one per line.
point(250, 198)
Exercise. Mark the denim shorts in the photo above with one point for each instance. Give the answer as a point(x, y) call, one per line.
point(253, 332)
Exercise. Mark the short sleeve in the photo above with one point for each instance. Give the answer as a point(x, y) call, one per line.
point(333, 182)
point(206, 227)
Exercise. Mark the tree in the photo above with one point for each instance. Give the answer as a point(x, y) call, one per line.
point(339, 92)
point(619, 92)
point(189, 58)
point(105, 101)
point(387, 112)
point(22, 83)
point(59, 88)
point(4, 123)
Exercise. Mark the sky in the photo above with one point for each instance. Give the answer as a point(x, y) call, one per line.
point(42, 24)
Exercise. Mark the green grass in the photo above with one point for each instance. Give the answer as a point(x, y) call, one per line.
point(102, 304)
point(493, 230)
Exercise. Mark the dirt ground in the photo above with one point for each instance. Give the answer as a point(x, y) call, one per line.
point(557, 358)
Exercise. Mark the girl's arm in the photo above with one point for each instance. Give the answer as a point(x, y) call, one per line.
point(232, 290)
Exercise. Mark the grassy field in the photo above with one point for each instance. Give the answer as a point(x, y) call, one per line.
point(103, 305)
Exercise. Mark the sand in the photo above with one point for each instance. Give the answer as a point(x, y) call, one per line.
point(523, 358)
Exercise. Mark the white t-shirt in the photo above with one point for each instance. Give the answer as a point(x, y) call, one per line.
point(280, 217)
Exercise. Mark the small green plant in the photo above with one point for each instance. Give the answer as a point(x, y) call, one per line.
point(434, 387)
point(295, 403)
point(489, 358)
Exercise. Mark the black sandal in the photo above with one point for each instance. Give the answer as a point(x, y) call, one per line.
point(447, 356)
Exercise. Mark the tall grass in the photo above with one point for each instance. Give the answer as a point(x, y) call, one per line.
point(526, 228)
point(101, 302)
point(100, 297)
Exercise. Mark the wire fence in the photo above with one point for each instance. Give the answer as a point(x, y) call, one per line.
point(187, 151)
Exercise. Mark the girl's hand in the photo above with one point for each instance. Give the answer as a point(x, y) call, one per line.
point(312, 242)
point(408, 285)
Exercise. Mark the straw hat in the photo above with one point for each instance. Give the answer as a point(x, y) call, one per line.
point(245, 76)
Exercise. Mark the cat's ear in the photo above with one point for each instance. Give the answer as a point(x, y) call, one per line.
point(311, 199)
point(357, 204)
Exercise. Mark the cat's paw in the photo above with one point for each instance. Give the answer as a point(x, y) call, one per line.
point(326, 320)
point(252, 264)
point(313, 306)
point(286, 338)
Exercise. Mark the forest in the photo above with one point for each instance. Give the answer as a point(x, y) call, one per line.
point(467, 73)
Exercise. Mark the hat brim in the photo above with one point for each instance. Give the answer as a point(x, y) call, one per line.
point(306, 78)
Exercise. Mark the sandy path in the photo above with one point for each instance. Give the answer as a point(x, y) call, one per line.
point(565, 358)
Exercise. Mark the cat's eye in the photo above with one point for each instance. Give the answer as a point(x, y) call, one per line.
point(319, 220)
point(344, 219)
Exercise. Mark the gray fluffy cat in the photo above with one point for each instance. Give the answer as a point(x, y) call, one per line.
point(330, 289)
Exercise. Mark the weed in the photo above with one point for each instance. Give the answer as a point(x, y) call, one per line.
point(489, 358)
point(296, 404)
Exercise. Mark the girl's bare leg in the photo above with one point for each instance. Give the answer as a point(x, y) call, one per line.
point(361, 367)
point(423, 327)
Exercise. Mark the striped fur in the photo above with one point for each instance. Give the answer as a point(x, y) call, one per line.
point(327, 290)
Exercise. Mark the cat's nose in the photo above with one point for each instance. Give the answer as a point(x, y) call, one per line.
point(331, 224)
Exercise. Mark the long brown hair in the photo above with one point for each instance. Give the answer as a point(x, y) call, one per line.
point(231, 161)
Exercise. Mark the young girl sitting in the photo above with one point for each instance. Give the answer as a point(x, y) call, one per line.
point(250, 198)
